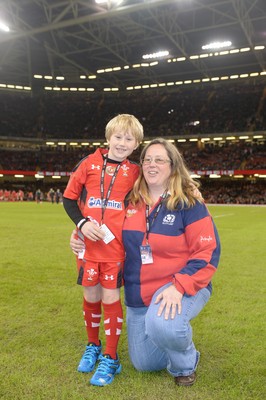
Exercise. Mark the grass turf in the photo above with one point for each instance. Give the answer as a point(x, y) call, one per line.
point(43, 336)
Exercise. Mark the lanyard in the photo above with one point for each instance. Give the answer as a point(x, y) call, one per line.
point(104, 201)
point(148, 225)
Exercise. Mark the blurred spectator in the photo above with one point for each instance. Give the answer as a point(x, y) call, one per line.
point(224, 191)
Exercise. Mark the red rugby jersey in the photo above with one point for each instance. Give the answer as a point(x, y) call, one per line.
point(84, 186)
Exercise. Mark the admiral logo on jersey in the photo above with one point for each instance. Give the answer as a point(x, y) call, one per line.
point(97, 203)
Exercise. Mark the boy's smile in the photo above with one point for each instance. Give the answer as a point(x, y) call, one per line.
point(121, 145)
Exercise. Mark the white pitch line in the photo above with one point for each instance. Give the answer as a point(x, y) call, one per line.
point(222, 215)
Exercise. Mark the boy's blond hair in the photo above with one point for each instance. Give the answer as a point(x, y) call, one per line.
point(125, 122)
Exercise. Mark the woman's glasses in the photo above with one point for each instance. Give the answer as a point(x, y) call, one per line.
point(157, 160)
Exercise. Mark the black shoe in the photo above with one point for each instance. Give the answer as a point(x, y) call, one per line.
point(186, 380)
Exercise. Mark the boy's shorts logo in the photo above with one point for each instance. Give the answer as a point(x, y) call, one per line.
point(91, 272)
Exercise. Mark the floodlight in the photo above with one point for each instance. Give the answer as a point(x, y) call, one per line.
point(195, 176)
point(216, 45)
point(158, 54)
point(215, 176)
point(4, 27)
point(117, 2)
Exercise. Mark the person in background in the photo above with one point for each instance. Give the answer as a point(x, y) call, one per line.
point(94, 200)
point(58, 196)
point(39, 196)
point(51, 195)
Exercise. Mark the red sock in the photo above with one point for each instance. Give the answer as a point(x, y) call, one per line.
point(113, 318)
point(92, 318)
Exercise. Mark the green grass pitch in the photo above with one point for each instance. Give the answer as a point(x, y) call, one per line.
point(43, 336)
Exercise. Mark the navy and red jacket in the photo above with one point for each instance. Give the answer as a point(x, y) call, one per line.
point(185, 249)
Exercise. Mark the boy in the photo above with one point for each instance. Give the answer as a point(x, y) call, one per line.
point(94, 200)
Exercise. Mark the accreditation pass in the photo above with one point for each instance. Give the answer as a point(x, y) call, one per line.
point(109, 236)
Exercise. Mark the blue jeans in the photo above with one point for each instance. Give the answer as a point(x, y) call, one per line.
point(155, 343)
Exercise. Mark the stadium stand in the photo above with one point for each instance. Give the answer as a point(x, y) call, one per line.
point(218, 108)
point(28, 122)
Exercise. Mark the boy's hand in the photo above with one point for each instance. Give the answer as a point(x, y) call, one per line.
point(92, 231)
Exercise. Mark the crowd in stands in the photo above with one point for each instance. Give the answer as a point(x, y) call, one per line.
point(242, 155)
point(230, 192)
point(216, 108)
point(188, 109)
point(231, 156)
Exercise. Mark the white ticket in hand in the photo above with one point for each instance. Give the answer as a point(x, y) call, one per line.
point(108, 234)
point(81, 254)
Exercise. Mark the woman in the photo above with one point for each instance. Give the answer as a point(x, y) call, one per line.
point(172, 251)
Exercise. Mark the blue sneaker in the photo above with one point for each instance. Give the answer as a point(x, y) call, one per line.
point(90, 357)
point(106, 371)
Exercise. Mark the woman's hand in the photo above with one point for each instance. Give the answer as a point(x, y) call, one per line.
point(77, 245)
point(171, 300)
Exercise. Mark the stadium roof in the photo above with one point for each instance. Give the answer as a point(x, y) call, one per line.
point(73, 38)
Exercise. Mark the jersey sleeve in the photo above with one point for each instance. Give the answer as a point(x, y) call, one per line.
point(72, 209)
point(77, 181)
point(204, 244)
